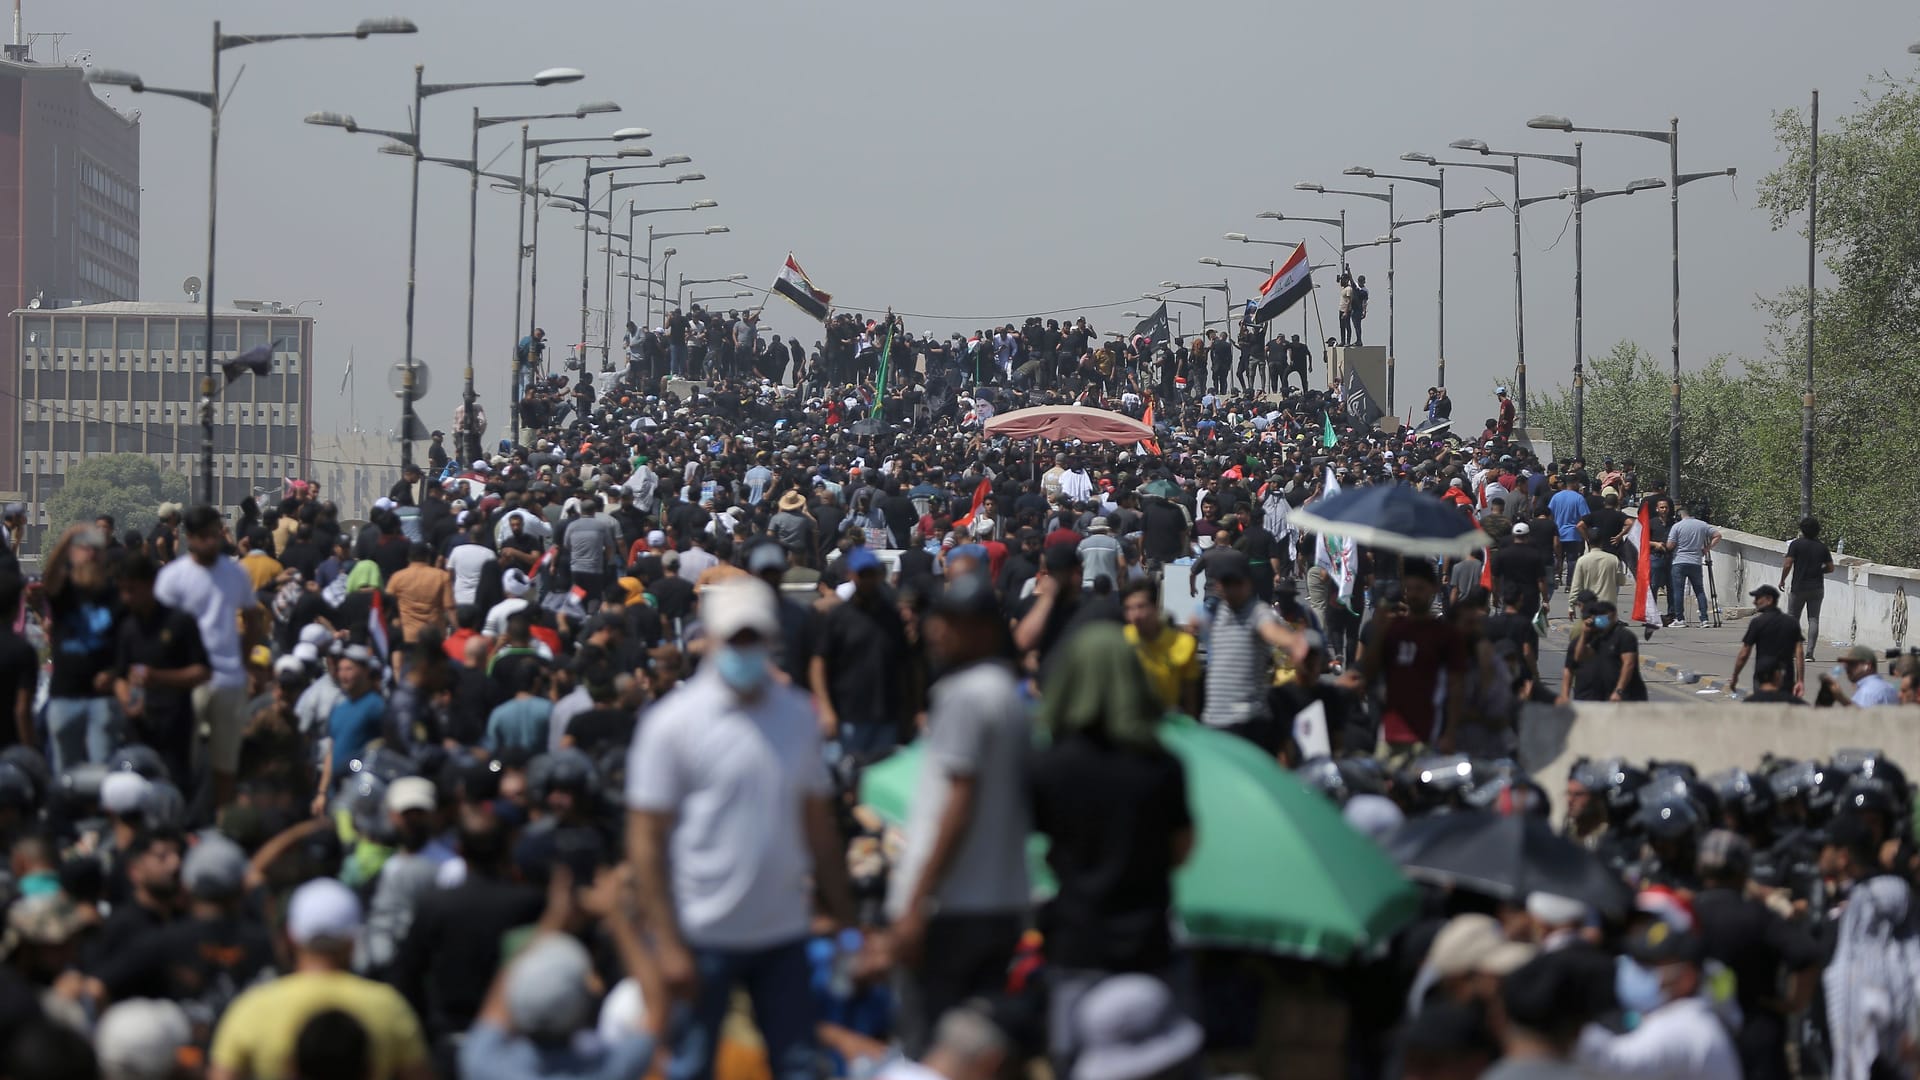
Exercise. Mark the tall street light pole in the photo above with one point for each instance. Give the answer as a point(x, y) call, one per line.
point(1572, 162)
point(411, 138)
point(667, 257)
point(1387, 198)
point(1675, 181)
point(1512, 170)
point(210, 99)
point(1439, 219)
point(1438, 182)
point(1581, 197)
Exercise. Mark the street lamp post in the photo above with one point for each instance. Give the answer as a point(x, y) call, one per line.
point(411, 138)
point(1520, 346)
point(1439, 219)
point(711, 230)
point(1675, 181)
point(1390, 242)
point(1438, 182)
point(1512, 170)
point(1581, 197)
point(210, 99)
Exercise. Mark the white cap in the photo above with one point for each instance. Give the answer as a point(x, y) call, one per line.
point(316, 635)
point(1556, 910)
point(411, 793)
point(322, 909)
point(140, 1039)
point(514, 582)
point(1521, 528)
point(307, 652)
point(123, 792)
point(739, 604)
point(383, 503)
point(656, 539)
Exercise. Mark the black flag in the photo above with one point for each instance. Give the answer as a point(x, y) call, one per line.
point(1155, 327)
point(1359, 402)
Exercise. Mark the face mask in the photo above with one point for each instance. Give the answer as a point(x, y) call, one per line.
point(1602, 622)
point(1637, 988)
point(743, 668)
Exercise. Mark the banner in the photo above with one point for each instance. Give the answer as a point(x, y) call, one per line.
point(1336, 556)
point(794, 285)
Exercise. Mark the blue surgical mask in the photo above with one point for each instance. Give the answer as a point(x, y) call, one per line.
point(1638, 989)
point(744, 668)
point(1602, 622)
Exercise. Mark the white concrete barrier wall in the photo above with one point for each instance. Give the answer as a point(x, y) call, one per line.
point(1866, 603)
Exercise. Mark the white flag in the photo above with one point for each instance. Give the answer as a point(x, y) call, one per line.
point(1335, 555)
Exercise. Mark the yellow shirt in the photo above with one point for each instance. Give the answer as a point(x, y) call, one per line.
point(1171, 661)
point(256, 1037)
point(261, 569)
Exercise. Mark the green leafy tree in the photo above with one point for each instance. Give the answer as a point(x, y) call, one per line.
point(1867, 322)
point(128, 486)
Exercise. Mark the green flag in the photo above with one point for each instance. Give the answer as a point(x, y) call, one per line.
point(1327, 437)
point(886, 355)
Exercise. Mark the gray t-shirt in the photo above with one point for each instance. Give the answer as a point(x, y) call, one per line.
point(1464, 576)
point(1239, 665)
point(1100, 556)
point(1689, 537)
point(588, 541)
point(977, 727)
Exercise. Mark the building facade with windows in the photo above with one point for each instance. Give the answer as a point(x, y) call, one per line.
point(124, 378)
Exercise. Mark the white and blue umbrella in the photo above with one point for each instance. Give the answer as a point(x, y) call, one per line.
point(1393, 517)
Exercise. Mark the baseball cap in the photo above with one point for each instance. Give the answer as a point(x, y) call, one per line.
point(1521, 528)
point(657, 539)
point(215, 869)
point(1471, 944)
point(1500, 390)
point(411, 793)
point(1130, 1028)
point(1660, 943)
point(322, 909)
point(861, 559)
point(141, 1039)
point(737, 605)
point(1859, 653)
point(1767, 591)
point(316, 635)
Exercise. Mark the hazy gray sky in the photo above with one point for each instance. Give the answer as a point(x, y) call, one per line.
point(994, 158)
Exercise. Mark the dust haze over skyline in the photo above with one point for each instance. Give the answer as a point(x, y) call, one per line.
point(985, 161)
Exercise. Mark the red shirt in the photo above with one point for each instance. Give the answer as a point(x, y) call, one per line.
point(996, 557)
point(1413, 654)
point(1063, 536)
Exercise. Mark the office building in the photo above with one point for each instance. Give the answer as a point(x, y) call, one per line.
point(69, 211)
point(124, 378)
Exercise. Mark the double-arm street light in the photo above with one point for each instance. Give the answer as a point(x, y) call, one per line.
point(1519, 315)
point(411, 139)
point(1388, 240)
point(584, 204)
point(667, 257)
point(742, 294)
point(1675, 181)
point(526, 250)
point(634, 212)
point(680, 288)
point(210, 99)
point(1275, 215)
point(1438, 182)
point(471, 165)
point(1439, 218)
point(1581, 197)
point(1220, 287)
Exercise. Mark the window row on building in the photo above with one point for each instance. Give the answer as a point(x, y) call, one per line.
point(108, 186)
point(137, 333)
point(157, 439)
point(182, 386)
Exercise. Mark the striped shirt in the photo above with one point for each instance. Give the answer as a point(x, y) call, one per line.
point(1239, 665)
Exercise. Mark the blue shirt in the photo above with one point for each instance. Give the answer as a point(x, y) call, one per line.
point(488, 1053)
point(1568, 507)
point(1875, 689)
point(519, 724)
point(353, 724)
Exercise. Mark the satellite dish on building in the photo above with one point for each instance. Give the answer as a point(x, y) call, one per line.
point(396, 379)
point(191, 287)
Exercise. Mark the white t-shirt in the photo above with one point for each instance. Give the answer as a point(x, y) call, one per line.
point(734, 775)
point(214, 595)
point(497, 616)
point(465, 563)
point(977, 727)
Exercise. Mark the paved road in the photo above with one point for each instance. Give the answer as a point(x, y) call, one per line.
point(1674, 651)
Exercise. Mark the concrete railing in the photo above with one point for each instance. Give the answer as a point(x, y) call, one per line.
point(1866, 603)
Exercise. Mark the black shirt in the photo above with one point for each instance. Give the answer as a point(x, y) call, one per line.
point(1759, 947)
point(673, 595)
point(600, 727)
point(83, 637)
point(1773, 634)
point(1810, 559)
point(1522, 566)
point(864, 647)
point(1111, 815)
point(452, 952)
point(1163, 530)
point(1602, 526)
point(204, 961)
point(1595, 678)
point(1514, 629)
point(166, 639)
point(19, 670)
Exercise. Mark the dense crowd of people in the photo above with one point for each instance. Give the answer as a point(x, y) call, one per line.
point(552, 766)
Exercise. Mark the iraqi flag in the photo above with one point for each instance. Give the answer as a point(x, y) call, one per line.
point(377, 629)
point(793, 284)
point(1287, 287)
point(1641, 538)
point(980, 493)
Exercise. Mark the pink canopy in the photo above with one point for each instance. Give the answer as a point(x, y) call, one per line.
point(1069, 422)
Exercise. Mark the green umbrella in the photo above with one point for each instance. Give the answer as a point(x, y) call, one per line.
point(1274, 867)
